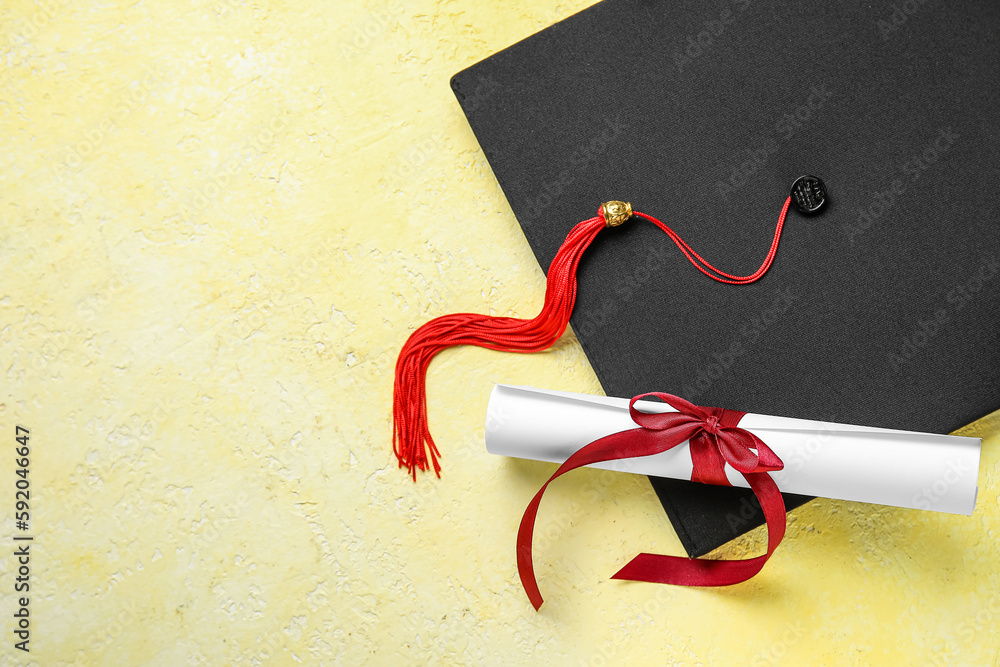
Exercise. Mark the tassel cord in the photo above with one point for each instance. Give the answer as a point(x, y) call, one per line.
point(412, 442)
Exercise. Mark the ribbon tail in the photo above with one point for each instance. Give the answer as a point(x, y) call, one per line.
point(525, 534)
point(709, 466)
point(621, 445)
point(766, 458)
point(679, 571)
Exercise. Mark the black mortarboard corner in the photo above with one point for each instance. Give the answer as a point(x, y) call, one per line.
point(881, 310)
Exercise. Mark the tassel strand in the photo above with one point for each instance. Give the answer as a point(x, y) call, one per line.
point(412, 442)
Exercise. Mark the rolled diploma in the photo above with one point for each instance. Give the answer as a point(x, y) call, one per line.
point(864, 464)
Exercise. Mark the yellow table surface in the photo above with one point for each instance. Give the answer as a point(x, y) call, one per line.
point(220, 221)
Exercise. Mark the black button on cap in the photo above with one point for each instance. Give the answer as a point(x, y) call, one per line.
point(809, 194)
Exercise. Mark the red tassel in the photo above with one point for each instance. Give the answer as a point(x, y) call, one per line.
point(411, 439)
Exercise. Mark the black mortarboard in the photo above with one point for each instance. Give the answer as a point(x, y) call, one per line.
point(881, 310)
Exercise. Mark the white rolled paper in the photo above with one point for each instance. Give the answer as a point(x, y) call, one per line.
point(870, 465)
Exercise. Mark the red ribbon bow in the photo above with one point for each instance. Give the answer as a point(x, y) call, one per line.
point(715, 439)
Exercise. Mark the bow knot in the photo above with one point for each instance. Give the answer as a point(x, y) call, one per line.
point(712, 424)
point(714, 436)
point(715, 439)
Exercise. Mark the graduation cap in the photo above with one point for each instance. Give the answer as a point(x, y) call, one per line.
point(880, 309)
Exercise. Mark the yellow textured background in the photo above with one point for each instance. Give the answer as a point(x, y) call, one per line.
point(220, 220)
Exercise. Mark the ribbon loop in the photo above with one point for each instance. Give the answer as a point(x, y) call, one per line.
point(714, 438)
point(716, 433)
